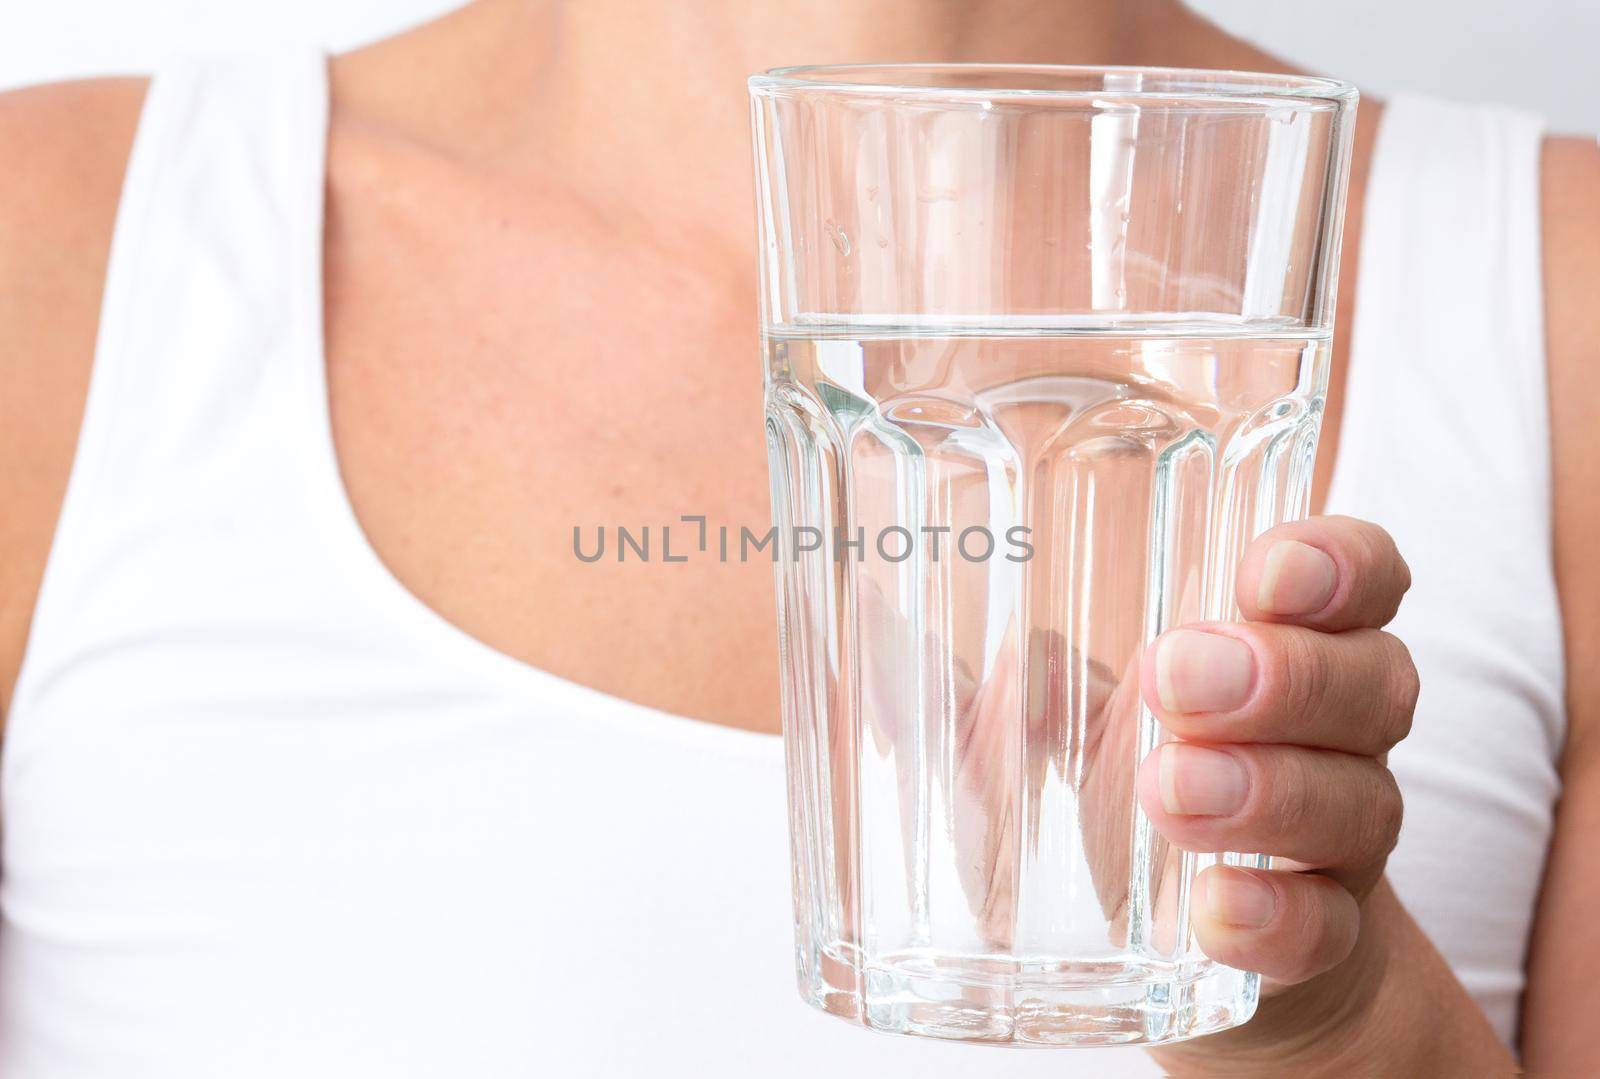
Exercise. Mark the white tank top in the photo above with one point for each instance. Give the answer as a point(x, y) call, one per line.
point(267, 815)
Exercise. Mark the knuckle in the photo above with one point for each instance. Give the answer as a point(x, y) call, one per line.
point(1312, 923)
point(1382, 576)
point(1376, 543)
point(1288, 806)
point(1402, 574)
point(1383, 543)
point(1301, 675)
point(1391, 576)
point(1404, 688)
point(1336, 923)
point(1315, 916)
point(1385, 812)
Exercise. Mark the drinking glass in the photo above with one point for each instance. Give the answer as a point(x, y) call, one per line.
point(1045, 348)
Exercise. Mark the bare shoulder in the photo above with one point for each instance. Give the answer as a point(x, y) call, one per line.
point(1571, 203)
point(1561, 993)
point(65, 147)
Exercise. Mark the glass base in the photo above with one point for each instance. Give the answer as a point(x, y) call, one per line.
point(1117, 1002)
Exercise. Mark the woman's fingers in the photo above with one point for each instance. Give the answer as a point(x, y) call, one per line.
point(1316, 806)
point(1286, 926)
point(1253, 682)
point(1319, 807)
point(1281, 723)
point(1329, 573)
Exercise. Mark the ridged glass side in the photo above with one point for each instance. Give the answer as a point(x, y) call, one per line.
point(978, 535)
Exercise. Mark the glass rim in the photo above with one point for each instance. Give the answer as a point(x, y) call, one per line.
point(1180, 84)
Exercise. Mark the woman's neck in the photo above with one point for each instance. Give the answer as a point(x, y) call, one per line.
point(606, 97)
point(506, 77)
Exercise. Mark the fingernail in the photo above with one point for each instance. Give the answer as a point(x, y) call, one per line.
point(1200, 782)
point(1296, 578)
point(1202, 672)
point(1239, 898)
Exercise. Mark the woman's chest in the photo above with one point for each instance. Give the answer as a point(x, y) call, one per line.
point(542, 426)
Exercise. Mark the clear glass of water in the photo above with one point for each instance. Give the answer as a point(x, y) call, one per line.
point(1045, 347)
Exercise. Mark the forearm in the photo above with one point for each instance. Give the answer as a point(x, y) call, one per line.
point(1392, 1008)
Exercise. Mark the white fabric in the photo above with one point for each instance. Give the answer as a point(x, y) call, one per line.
point(1445, 442)
point(267, 815)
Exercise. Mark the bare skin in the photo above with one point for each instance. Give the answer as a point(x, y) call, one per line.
point(484, 216)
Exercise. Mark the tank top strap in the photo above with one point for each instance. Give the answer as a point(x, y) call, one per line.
point(200, 361)
point(1449, 294)
point(1445, 432)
